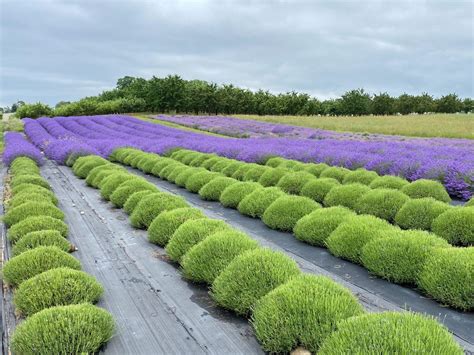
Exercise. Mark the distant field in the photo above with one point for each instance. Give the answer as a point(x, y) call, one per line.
point(433, 125)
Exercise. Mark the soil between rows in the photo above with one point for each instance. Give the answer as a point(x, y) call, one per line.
point(374, 293)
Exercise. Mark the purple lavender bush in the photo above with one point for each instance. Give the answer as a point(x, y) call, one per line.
point(16, 146)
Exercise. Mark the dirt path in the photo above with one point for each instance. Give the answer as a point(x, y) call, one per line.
point(155, 309)
point(375, 294)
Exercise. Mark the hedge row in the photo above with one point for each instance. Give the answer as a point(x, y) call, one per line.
point(50, 288)
point(400, 257)
point(287, 308)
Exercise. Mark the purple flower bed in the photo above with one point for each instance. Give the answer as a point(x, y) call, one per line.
point(447, 160)
point(16, 146)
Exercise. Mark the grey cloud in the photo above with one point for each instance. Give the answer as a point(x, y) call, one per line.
point(55, 50)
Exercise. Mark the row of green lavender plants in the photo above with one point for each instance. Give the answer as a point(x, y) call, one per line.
point(411, 256)
point(287, 308)
point(50, 290)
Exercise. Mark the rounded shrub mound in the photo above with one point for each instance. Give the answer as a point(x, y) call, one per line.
point(213, 189)
point(390, 333)
point(209, 163)
point(382, 203)
point(164, 226)
point(235, 193)
point(470, 203)
point(29, 179)
point(41, 238)
point(316, 169)
point(36, 223)
point(255, 173)
point(388, 182)
point(420, 213)
point(221, 165)
point(56, 287)
point(196, 181)
point(168, 170)
point(271, 176)
point(83, 169)
point(345, 195)
point(36, 261)
point(22, 198)
point(448, 276)
point(151, 206)
point(360, 176)
point(302, 312)
point(134, 199)
point(287, 210)
point(456, 225)
point(176, 171)
point(352, 235)
point(73, 329)
point(426, 188)
point(250, 276)
point(183, 177)
point(21, 164)
point(317, 189)
point(196, 162)
point(191, 233)
point(255, 203)
point(293, 165)
point(189, 157)
point(243, 169)
point(230, 169)
point(147, 165)
point(103, 174)
point(275, 162)
point(110, 183)
point(163, 163)
point(316, 227)
point(292, 183)
point(101, 169)
point(206, 260)
point(335, 172)
point(127, 188)
point(30, 209)
point(31, 188)
point(401, 257)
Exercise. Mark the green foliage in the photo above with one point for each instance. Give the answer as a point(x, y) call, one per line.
point(354, 233)
point(448, 277)
point(189, 156)
point(41, 238)
point(390, 333)
point(31, 188)
point(33, 110)
point(272, 176)
point(232, 168)
point(360, 176)
point(167, 222)
point(110, 183)
point(147, 164)
point(213, 189)
point(29, 179)
point(221, 165)
point(209, 163)
point(250, 276)
point(284, 212)
point(27, 197)
point(244, 169)
point(292, 183)
point(168, 170)
point(316, 227)
point(84, 165)
point(30, 209)
point(235, 193)
point(456, 225)
point(176, 171)
point(34, 262)
point(302, 312)
point(420, 213)
point(162, 163)
point(56, 287)
point(316, 169)
point(335, 172)
point(388, 182)
point(36, 223)
point(275, 162)
point(317, 189)
point(345, 195)
point(182, 178)
point(206, 260)
point(73, 329)
point(382, 203)
point(401, 257)
point(151, 206)
point(470, 203)
point(255, 203)
point(133, 200)
point(99, 170)
point(255, 173)
point(21, 164)
point(426, 188)
point(199, 160)
point(191, 233)
point(196, 181)
point(128, 188)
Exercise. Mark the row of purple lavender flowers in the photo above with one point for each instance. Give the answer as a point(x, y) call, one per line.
point(451, 164)
point(16, 145)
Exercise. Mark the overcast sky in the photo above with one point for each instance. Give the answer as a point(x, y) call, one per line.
point(54, 50)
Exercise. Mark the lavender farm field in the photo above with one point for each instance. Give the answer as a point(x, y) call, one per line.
point(446, 160)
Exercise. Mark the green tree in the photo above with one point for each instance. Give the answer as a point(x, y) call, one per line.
point(449, 104)
point(356, 102)
point(383, 104)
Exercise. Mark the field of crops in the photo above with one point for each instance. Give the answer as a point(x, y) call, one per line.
point(127, 236)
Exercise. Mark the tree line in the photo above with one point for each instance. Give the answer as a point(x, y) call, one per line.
point(172, 94)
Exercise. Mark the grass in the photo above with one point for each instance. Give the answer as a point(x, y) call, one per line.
point(432, 125)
